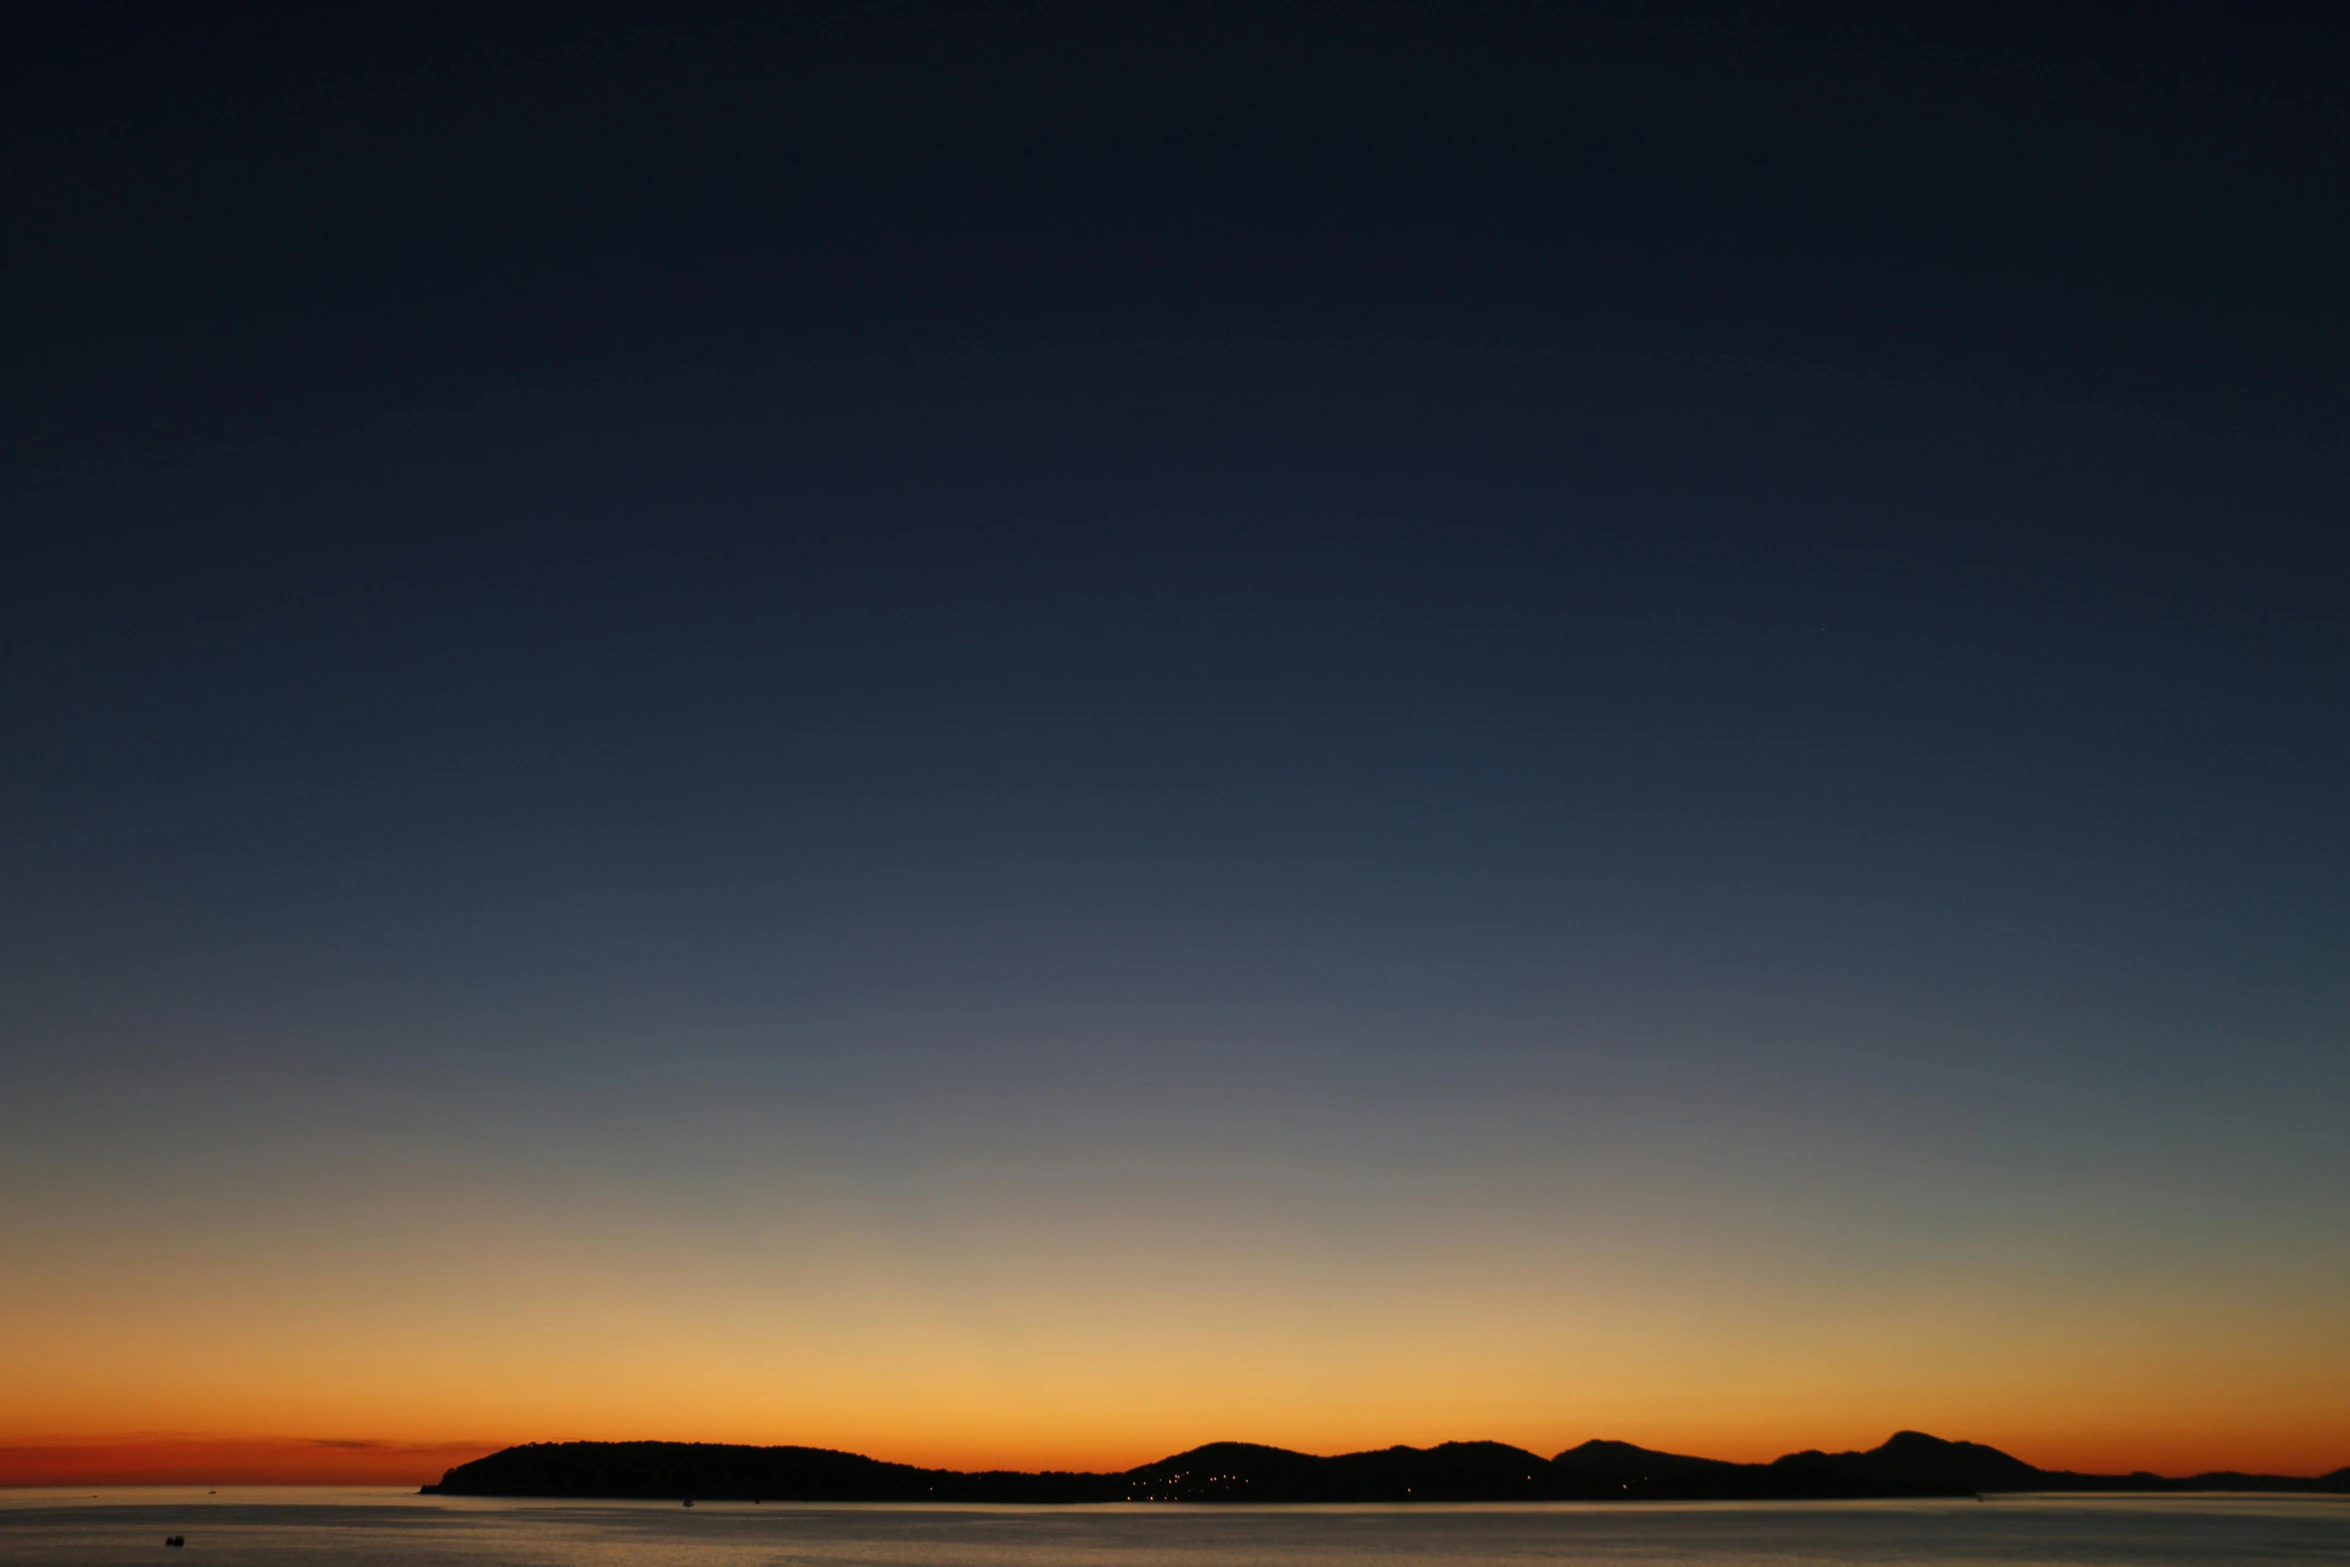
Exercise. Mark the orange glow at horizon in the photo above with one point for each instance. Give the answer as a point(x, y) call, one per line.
point(212, 1461)
point(1052, 1361)
point(1139, 1385)
point(1033, 1325)
point(171, 1460)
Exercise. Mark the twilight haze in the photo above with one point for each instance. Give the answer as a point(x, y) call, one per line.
point(1018, 736)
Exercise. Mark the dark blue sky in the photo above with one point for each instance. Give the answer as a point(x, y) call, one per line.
point(1725, 601)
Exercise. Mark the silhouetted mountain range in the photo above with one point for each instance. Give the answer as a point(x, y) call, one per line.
point(1910, 1464)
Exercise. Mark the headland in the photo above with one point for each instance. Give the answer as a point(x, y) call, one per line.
point(1910, 1464)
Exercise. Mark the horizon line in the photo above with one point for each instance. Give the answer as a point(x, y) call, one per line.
point(173, 1459)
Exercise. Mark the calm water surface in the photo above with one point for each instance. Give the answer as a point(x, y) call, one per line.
point(257, 1527)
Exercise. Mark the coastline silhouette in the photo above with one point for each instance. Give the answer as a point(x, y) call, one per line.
point(1909, 1464)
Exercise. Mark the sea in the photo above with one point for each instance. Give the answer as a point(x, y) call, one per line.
point(320, 1527)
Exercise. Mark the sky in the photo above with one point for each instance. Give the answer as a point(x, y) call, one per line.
point(1019, 735)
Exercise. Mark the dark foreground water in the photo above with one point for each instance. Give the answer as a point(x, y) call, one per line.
point(251, 1527)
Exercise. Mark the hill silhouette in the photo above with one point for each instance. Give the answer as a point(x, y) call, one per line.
point(1912, 1457)
point(1915, 1456)
point(1911, 1463)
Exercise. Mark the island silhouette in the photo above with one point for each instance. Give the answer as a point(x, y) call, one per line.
point(1909, 1464)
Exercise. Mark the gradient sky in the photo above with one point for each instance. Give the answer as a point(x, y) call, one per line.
point(1020, 736)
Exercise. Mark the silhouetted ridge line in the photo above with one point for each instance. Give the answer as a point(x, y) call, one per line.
point(1912, 1457)
point(1910, 1464)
